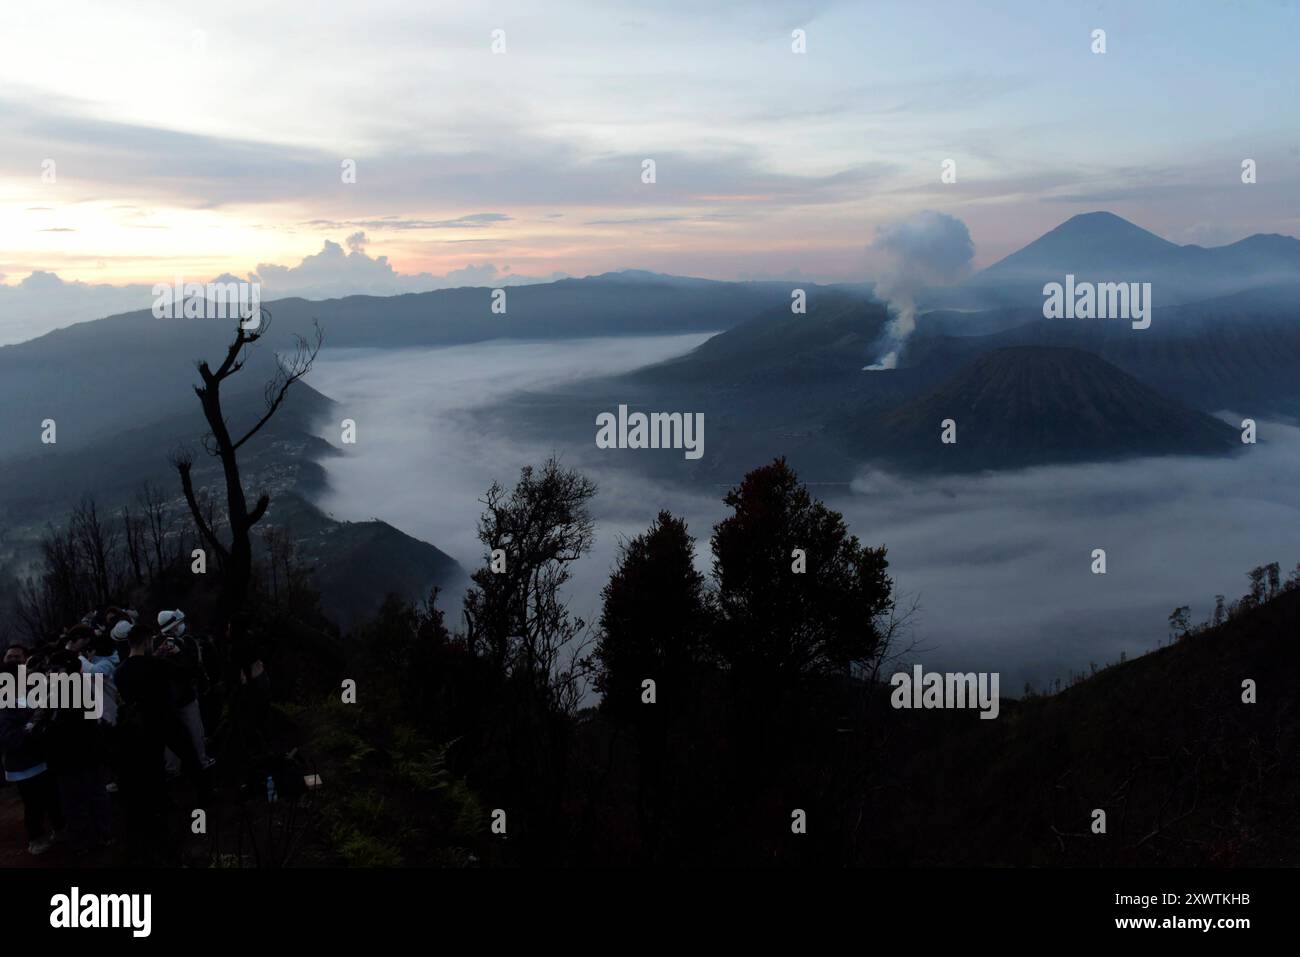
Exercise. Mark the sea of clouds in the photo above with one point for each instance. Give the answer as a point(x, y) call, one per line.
point(1000, 563)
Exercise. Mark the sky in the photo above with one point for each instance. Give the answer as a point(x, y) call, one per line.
point(194, 139)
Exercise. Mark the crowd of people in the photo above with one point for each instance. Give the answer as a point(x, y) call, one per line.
point(160, 683)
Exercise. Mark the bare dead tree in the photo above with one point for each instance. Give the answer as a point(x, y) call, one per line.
point(279, 547)
point(212, 515)
point(96, 541)
point(157, 519)
point(133, 526)
point(285, 576)
point(62, 589)
point(236, 556)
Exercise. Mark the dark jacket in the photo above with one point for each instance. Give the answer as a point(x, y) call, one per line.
point(23, 749)
point(73, 741)
point(153, 687)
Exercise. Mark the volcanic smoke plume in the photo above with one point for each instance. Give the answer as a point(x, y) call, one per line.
point(930, 249)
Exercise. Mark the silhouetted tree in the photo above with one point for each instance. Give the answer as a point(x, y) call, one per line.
point(520, 631)
point(1257, 585)
point(96, 544)
point(161, 540)
point(1274, 572)
point(236, 557)
point(654, 626)
point(59, 593)
point(516, 617)
point(655, 619)
point(1180, 621)
point(82, 566)
point(285, 579)
point(781, 624)
point(403, 644)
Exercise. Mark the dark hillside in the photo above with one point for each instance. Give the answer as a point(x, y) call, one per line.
point(1187, 773)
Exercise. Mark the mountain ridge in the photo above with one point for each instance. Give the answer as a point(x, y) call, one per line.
point(1103, 247)
point(1021, 406)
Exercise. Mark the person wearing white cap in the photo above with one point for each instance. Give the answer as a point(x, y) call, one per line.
point(173, 628)
point(172, 623)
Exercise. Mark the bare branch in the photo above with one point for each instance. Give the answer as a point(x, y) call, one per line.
point(259, 509)
point(288, 373)
point(183, 463)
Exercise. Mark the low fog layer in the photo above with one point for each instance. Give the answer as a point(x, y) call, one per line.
point(1002, 562)
point(419, 465)
point(999, 563)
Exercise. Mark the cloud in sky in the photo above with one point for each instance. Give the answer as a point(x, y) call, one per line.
point(502, 165)
point(472, 221)
point(332, 272)
point(43, 301)
point(768, 161)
